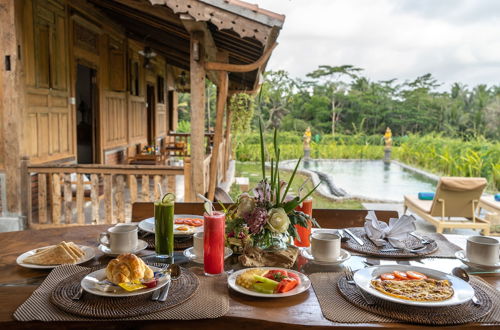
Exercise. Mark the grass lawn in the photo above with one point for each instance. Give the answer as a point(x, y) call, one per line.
point(252, 170)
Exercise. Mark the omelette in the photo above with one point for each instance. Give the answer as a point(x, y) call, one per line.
point(416, 290)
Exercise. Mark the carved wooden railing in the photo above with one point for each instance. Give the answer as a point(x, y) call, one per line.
point(68, 195)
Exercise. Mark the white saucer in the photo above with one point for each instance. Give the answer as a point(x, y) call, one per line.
point(344, 255)
point(189, 253)
point(141, 245)
point(462, 257)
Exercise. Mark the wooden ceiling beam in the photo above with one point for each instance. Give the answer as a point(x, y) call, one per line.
point(161, 12)
point(140, 16)
point(217, 66)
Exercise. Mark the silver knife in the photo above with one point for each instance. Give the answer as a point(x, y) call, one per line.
point(163, 295)
point(356, 238)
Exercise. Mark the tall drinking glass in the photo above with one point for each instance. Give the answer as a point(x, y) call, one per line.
point(164, 227)
point(213, 242)
point(304, 233)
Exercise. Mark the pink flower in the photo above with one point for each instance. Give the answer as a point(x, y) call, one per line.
point(256, 220)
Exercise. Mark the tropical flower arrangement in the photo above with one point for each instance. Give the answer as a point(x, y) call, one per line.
point(267, 218)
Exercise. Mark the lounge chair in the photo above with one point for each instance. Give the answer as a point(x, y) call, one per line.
point(492, 212)
point(455, 197)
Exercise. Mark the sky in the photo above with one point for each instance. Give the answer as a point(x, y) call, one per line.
point(454, 40)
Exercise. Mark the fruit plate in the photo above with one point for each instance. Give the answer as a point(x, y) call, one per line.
point(305, 283)
point(463, 292)
point(89, 254)
point(88, 284)
point(148, 225)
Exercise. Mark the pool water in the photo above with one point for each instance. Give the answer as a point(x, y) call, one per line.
point(371, 179)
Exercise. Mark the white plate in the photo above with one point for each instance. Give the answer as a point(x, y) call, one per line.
point(305, 283)
point(462, 257)
point(148, 225)
point(463, 292)
point(189, 253)
point(89, 281)
point(344, 255)
point(141, 245)
point(89, 254)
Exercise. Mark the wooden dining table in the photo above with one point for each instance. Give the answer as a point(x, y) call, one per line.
point(295, 312)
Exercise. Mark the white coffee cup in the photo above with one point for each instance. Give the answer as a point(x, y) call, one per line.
point(198, 244)
point(120, 238)
point(483, 250)
point(325, 246)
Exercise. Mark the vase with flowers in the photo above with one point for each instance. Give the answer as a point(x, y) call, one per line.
point(266, 219)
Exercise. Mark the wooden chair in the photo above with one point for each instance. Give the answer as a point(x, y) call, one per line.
point(327, 218)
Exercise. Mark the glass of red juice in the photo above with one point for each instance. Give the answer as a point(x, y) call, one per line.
point(304, 233)
point(213, 242)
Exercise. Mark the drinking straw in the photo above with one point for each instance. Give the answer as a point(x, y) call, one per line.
point(302, 187)
point(161, 190)
point(210, 211)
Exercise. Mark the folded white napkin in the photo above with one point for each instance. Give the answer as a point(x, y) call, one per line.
point(397, 230)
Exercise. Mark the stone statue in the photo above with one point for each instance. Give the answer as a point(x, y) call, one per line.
point(307, 139)
point(388, 138)
point(388, 145)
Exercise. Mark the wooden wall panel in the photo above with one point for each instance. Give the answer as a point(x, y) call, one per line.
point(32, 134)
point(137, 119)
point(115, 119)
point(43, 135)
point(64, 132)
point(54, 146)
point(48, 124)
point(42, 55)
point(161, 120)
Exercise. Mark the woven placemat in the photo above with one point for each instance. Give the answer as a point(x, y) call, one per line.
point(440, 248)
point(449, 315)
point(212, 291)
point(338, 309)
point(106, 307)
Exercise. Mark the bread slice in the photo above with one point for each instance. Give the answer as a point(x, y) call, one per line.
point(55, 255)
point(79, 252)
point(69, 250)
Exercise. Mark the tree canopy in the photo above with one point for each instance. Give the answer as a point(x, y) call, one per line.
point(340, 99)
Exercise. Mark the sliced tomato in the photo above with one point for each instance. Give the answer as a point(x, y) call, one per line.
point(400, 275)
point(388, 277)
point(415, 275)
point(294, 276)
point(197, 223)
point(276, 274)
point(286, 285)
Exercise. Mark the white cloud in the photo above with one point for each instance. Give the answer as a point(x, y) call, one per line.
point(455, 40)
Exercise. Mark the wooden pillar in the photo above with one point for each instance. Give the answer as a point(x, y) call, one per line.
point(11, 105)
point(219, 123)
point(197, 74)
point(227, 154)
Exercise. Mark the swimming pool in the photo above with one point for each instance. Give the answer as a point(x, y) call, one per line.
point(369, 179)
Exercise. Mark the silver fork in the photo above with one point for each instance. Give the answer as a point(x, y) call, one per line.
point(422, 239)
point(350, 279)
point(156, 293)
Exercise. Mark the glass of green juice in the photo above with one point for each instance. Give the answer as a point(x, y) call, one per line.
point(164, 226)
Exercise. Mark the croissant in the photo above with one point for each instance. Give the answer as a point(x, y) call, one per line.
point(127, 268)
